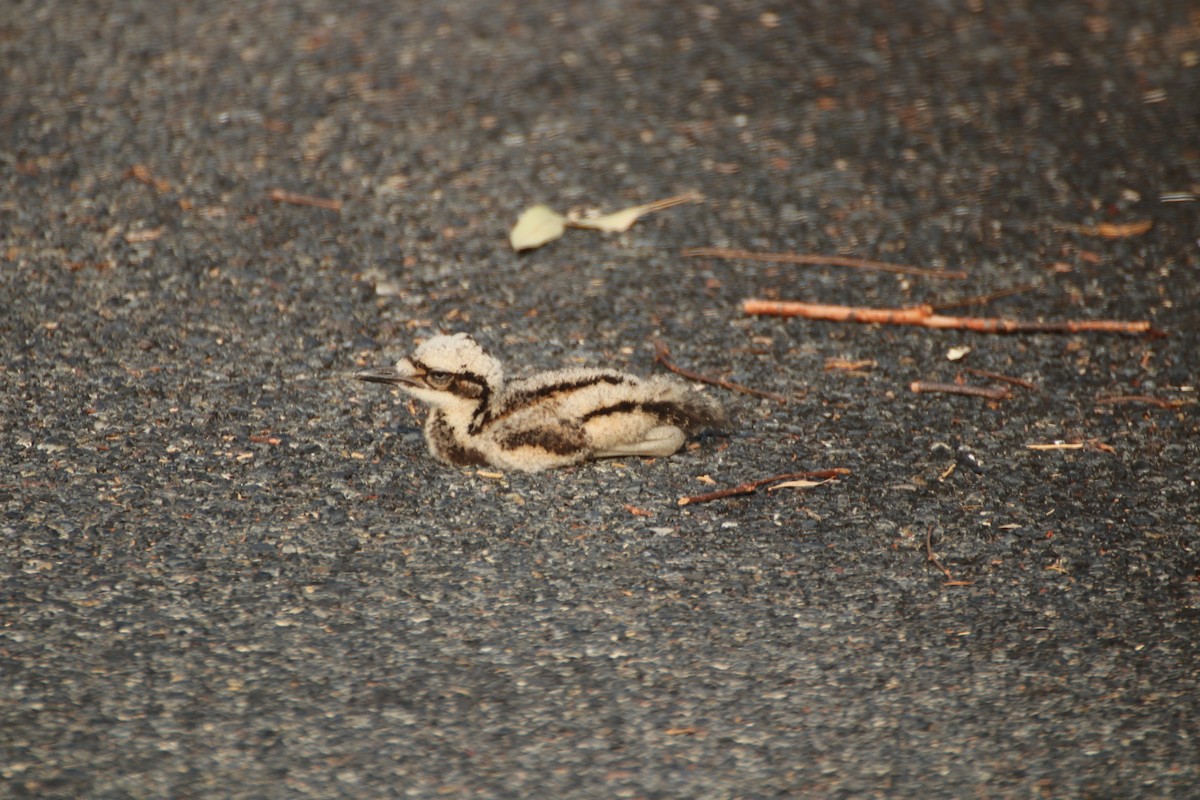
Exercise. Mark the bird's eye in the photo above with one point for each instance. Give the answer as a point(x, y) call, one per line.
point(438, 379)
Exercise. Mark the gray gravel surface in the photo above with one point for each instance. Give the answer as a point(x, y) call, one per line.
point(231, 571)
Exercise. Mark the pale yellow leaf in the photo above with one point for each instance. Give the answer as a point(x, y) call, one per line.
point(535, 227)
point(796, 485)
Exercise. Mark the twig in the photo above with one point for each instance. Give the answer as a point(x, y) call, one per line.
point(924, 317)
point(750, 487)
point(954, 388)
point(661, 356)
point(931, 556)
point(1118, 230)
point(984, 299)
point(1141, 398)
point(818, 260)
point(850, 366)
point(996, 376)
point(1090, 444)
point(1107, 230)
point(284, 196)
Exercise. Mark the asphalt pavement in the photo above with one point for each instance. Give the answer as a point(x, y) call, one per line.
point(231, 571)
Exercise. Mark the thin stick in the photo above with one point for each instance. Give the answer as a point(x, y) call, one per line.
point(750, 487)
point(284, 196)
point(954, 388)
point(984, 299)
point(850, 366)
point(931, 556)
point(923, 316)
point(1141, 398)
point(819, 260)
point(996, 376)
point(669, 202)
point(661, 354)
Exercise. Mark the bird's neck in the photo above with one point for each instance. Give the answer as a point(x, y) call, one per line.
point(451, 441)
point(467, 414)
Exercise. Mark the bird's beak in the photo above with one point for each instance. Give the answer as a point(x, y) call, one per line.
point(402, 373)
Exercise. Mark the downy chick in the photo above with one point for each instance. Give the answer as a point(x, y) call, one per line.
point(552, 419)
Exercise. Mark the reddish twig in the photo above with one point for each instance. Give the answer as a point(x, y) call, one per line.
point(996, 376)
point(284, 196)
point(931, 556)
point(1118, 230)
point(750, 487)
point(924, 317)
point(661, 356)
point(1141, 398)
point(819, 260)
point(1057, 446)
point(850, 366)
point(955, 388)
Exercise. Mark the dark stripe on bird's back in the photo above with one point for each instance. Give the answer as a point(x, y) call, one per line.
point(523, 399)
point(674, 413)
point(527, 396)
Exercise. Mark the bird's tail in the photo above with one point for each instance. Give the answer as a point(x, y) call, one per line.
point(687, 408)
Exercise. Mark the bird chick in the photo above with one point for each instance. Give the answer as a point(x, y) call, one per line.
point(552, 419)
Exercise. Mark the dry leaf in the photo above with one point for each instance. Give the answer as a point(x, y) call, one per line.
point(535, 227)
point(797, 485)
point(620, 221)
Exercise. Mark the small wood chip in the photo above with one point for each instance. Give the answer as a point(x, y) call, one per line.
point(292, 198)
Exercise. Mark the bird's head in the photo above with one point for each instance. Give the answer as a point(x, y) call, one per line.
point(447, 372)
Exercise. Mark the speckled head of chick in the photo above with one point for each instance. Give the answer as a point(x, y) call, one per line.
point(552, 419)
